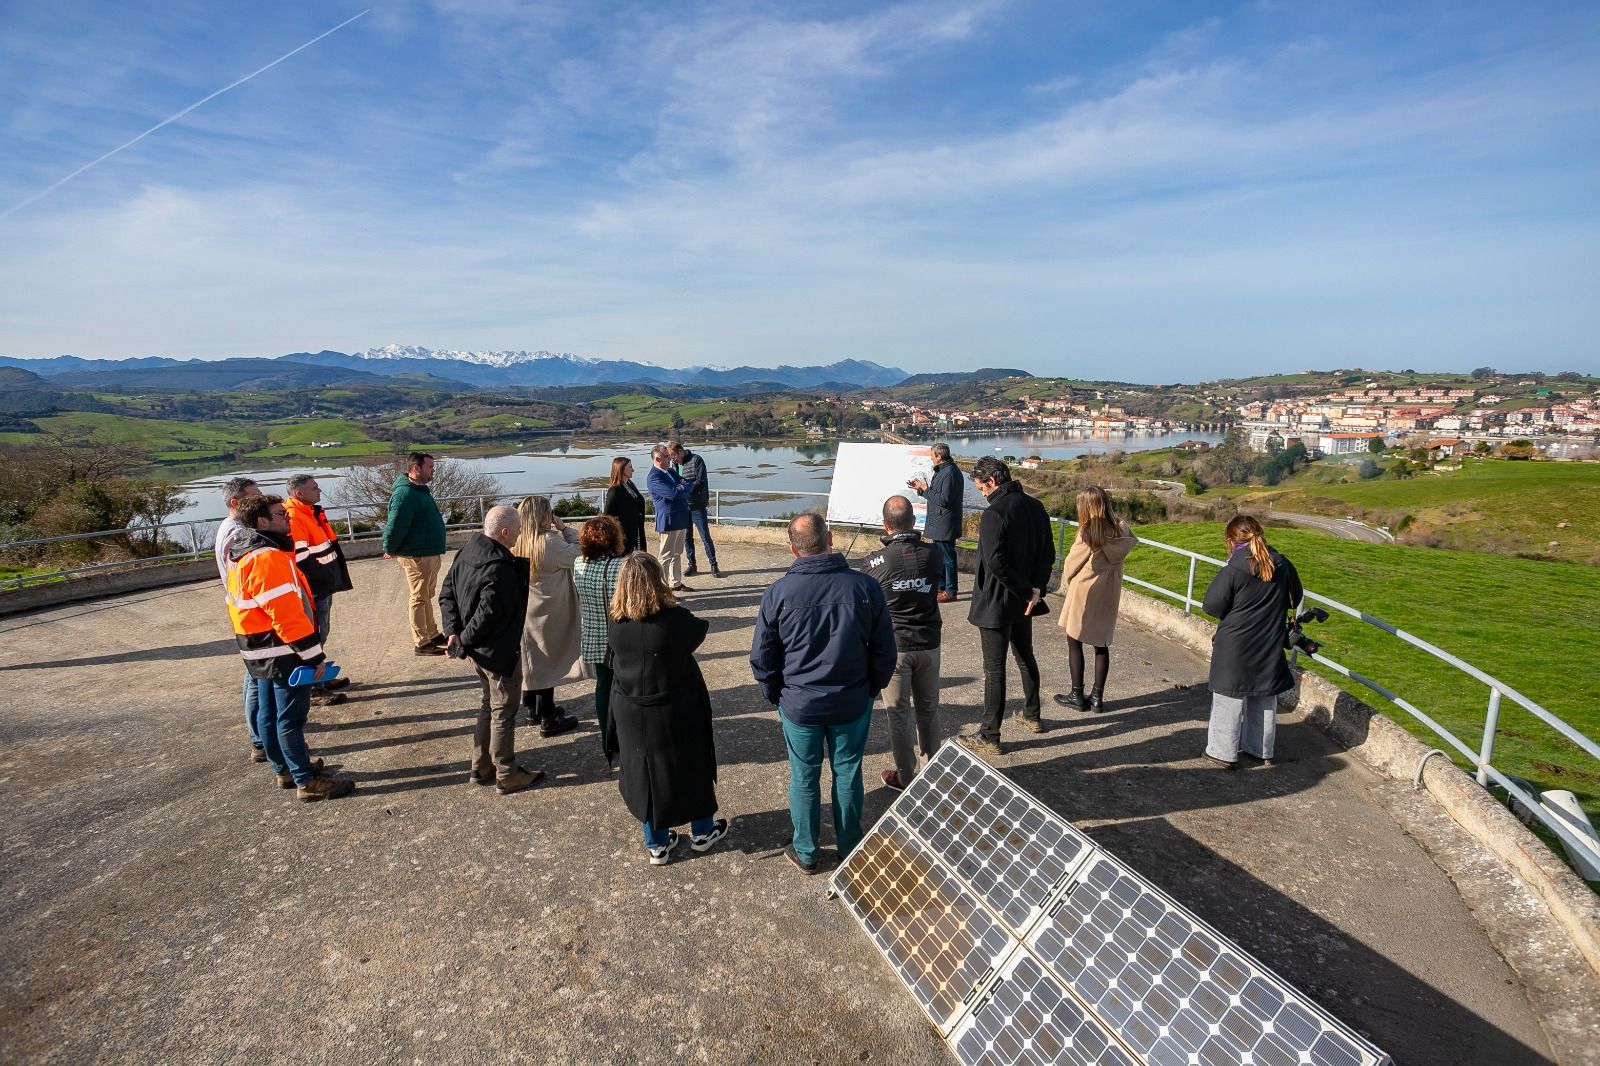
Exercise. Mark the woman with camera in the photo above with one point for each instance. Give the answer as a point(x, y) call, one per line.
point(1091, 583)
point(660, 722)
point(1250, 598)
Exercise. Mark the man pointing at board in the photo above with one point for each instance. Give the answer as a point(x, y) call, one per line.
point(943, 524)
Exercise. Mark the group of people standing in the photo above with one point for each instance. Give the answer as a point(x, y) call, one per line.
point(534, 604)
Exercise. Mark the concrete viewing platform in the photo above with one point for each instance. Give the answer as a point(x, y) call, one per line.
point(164, 902)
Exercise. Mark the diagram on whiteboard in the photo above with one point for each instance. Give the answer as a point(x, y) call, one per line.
point(864, 475)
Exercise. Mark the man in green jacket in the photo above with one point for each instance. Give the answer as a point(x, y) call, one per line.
point(414, 536)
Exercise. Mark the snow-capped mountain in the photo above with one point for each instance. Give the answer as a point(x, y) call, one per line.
point(485, 368)
point(499, 359)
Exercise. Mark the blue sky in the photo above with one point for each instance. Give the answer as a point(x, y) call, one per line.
point(1145, 191)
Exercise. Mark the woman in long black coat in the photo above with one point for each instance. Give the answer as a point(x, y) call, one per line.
point(625, 503)
point(1251, 598)
point(660, 722)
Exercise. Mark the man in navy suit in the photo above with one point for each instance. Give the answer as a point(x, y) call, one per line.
point(670, 494)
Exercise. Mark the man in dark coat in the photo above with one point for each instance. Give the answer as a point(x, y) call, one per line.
point(693, 470)
point(1015, 553)
point(943, 525)
point(482, 603)
point(823, 650)
point(908, 571)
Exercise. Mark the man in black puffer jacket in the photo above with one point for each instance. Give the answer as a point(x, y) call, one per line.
point(908, 568)
point(482, 604)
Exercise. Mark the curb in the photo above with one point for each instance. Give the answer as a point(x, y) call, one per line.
point(1385, 747)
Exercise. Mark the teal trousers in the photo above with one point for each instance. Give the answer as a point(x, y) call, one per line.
point(842, 746)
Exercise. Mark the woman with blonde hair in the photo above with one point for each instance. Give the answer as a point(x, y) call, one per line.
point(1091, 582)
point(595, 574)
point(660, 723)
point(550, 642)
point(625, 503)
point(1250, 598)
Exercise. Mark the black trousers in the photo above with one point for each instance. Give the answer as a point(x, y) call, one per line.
point(1018, 636)
point(541, 703)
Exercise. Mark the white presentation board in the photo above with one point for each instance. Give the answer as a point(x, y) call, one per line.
point(864, 475)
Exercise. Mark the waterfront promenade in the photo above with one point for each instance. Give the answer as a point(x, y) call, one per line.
point(164, 903)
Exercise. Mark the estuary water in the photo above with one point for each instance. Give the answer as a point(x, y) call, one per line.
point(752, 479)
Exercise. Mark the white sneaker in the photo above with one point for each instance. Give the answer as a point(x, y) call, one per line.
point(719, 829)
point(663, 855)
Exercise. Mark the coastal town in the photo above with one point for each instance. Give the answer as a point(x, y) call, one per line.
point(1562, 423)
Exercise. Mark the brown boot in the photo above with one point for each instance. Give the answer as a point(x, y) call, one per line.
point(324, 788)
point(286, 779)
point(517, 780)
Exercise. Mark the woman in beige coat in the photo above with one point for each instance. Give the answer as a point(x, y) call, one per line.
point(1091, 580)
point(550, 632)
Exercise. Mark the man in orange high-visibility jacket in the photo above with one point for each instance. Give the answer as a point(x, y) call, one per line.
point(269, 601)
point(320, 558)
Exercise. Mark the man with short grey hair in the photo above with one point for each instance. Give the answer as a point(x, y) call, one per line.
point(234, 492)
point(319, 556)
point(669, 492)
point(943, 524)
point(823, 650)
point(908, 569)
point(482, 603)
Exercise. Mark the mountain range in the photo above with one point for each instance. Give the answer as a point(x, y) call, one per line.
point(475, 368)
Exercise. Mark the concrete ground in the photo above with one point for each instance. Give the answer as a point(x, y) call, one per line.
point(163, 902)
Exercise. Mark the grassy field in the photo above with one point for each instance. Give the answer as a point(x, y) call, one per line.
point(165, 439)
point(1525, 622)
point(294, 438)
point(655, 412)
point(1492, 504)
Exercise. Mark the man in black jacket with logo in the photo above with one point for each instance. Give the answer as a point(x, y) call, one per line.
point(943, 526)
point(1015, 554)
point(908, 568)
point(482, 604)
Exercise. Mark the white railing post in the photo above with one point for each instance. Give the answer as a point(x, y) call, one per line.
point(1188, 593)
point(1491, 722)
point(716, 506)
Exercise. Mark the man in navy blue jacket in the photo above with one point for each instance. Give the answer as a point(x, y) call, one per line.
point(824, 648)
point(670, 494)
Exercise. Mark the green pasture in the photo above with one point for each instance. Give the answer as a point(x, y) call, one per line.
point(1487, 505)
point(1525, 622)
point(165, 439)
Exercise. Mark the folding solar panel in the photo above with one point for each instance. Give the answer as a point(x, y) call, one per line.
point(1024, 942)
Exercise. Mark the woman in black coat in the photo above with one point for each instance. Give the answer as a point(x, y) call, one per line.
point(660, 722)
point(625, 503)
point(1250, 597)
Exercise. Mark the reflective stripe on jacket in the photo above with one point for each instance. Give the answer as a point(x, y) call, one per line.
point(270, 605)
point(316, 549)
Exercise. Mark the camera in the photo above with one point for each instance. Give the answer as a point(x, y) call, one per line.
point(1296, 640)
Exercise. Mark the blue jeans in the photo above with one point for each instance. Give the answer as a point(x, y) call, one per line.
point(657, 838)
point(697, 520)
point(843, 746)
point(281, 722)
point(948, 547)
point(250, 709)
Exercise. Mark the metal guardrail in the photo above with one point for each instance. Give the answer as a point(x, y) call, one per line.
point(1566, 830)
point(198, 533)
point(1563, 825)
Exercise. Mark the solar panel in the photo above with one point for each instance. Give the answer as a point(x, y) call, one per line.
point(1025, 942)
point(1011, 851)
point(937, 935)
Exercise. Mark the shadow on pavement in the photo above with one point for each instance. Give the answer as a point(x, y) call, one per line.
point(174, 653)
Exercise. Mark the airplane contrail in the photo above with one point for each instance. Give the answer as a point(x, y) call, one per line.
point(170, 119)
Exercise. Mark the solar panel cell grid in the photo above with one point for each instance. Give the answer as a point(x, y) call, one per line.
point(1029, 1021)
point(936, 935)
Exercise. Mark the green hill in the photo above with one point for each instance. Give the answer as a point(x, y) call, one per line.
point(1492, 505)
point(1526, 622)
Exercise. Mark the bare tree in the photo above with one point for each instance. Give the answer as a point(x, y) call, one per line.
point(456, 486)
